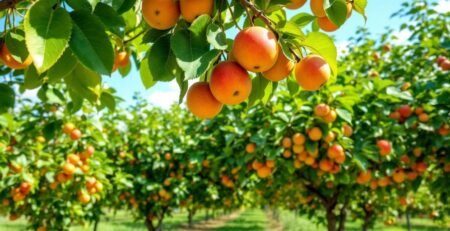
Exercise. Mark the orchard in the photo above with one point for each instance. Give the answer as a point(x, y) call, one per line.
point(271, 114)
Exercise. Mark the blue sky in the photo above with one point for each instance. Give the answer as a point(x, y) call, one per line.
point(378, 12)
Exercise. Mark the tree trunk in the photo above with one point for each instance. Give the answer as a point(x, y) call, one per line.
point(408, 220)
point(331, 220)
point(149, 225)
point(96, 224)
point(191, 213)
point(343, 216)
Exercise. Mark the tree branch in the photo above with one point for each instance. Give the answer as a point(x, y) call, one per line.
point(7, 4)
point(259, 14)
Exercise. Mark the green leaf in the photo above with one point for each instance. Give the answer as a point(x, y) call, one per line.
point(360, 7)
point(152, 35)
point(321, 44)
point(7, 98)
point(111, 19)
point(79, 4)
point(336, 11)
point(259, 86)
point(183, 84)
point(146, 75)
point(302, 19)
point(63, 67)
point(90, 43)
point(292, 84)
point(15, 41)
point(83, 83)
point(392, 91)
point(121, 6)
point(345, 115)
point(216, 37)
point(32, 79)
point(108, 100)
point(161, 61)
point(47, 33)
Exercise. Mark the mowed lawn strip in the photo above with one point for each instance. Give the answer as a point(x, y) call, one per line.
point(291, 222)
point(249, 220)
point(122, 221)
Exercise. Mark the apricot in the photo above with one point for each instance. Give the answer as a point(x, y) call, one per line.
point(321, 110)
point(69, 169)
point(310, 160)
point(286, 142)
point(230, 83)
point(75, 134)
point(257, 165)
point(444, 130)
point(68, 128)
point(347, 130)
point(264, 172)
point(25, 187)
point(167, 156)
point(298, 149)
point(399, 176)
point(440, 59)
point(335, 151)
point(250, 148)
point(412, 175)
point(270, 163)
point(122, 59)
point(191, 9)
point(326, 165)
point(340, 159)
point(256, 49)
point(405, 111)
point(295, 4)
point(383, 182)
point(417, 151)
point(445, 65)
point(73, 159)
point(326, 24)
point(297, 164)
point(424, 117)
point(201, 102)
point(364, 177)
point(312, 72)
point(330, 117)
point(161, 14)
point(330, 137)
point(298, 138)
point(315, 134)
point(8, 59)
point(287, 154)
point(281, 69)
point(395, 115)
point(385, 147)
point(317, 8)
point(84, 198)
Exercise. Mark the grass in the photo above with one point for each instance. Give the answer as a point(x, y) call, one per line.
point(249, 220)
point(122, 221)
point(291, 222)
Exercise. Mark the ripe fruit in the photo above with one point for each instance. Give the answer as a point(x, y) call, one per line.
point(317, 8)
point(264, 172)
point(326, 165)
point(385, 147)
point(298, 138)
point(335, 151)
point(312, 72)
point(84, 198)
point(230, 83)
point(25, 187)
point(383, 182)
point(321, 110)
point(326, 24)
point(399, 176)
point(161, 14)
point(191, 9)
point(347, 130)
point(257, 165)
point(250, 148)
point(270, 163)
point(424, 117)
point(9, 60)
point(364, 177)
point(440, 59)
point(201, 102)
point(444, 130)
point(287, 154)
point(315, 134)
point(395, 115)
point(445, 65)
point(73, 159)
point(286, 142)
point(330, 117)
point(68, 128)
point(295, 4)
point(418, 110)
point(122, 59)
point(256, 49)
point(167, 156)
point(417, 151)
point(69, 169)
point(331, 136)
point(298, 148)
point(281, 69)
point(405, 111)
point(412, 175)
point(75, 134)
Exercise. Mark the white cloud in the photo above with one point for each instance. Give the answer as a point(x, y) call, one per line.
point(443, 6)
point(165, 95)
point(401, 37)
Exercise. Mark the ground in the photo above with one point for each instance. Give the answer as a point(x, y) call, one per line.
point(241, 220)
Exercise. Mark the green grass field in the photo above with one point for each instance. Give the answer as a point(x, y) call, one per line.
point(122, 221)
point(249, 220)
